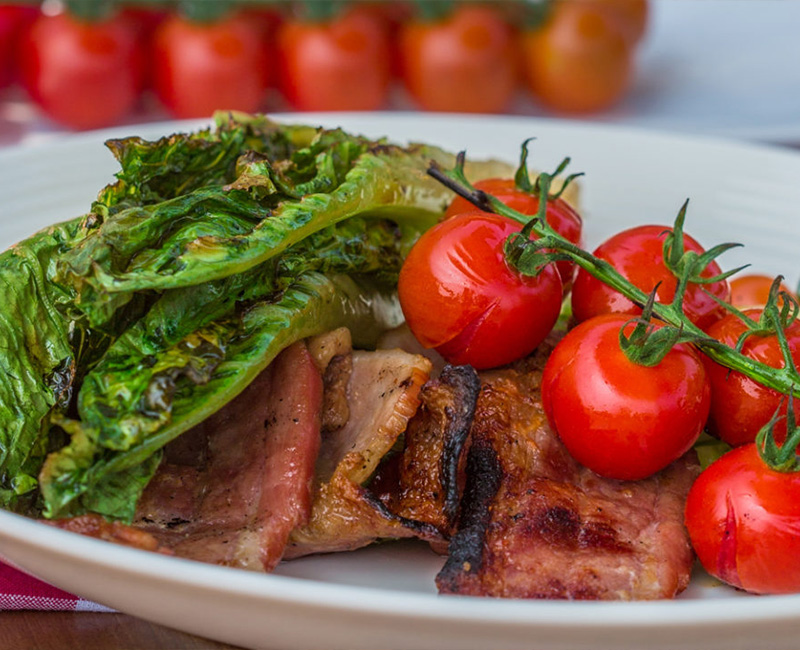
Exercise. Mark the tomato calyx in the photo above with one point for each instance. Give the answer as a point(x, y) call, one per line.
point(321, 12)
point(781, 458)
point(648, 343)
point(688, 266)
point(205, 11)
point(522, 178)
point(90, 10)
point(433, 10)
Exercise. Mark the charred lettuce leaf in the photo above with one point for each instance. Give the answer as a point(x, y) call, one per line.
point(210, 253)
point(223, 229)
point(37, 356)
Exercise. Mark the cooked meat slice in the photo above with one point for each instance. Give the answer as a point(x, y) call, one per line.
point(535, 524)
point(402, 338)
point(251, 465)
point(335, 407)
point(347, 516)
point(325, 347)
point(429, 472)
point(383, 394)
point(332, 352)
point(93, 525)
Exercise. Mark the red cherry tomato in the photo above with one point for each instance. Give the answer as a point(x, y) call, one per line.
point(83, 74)
point(620, 419)
point(460, 296)
point(15, 19)
point(201, 67)
point(560, 214)
point(579, 60)
point(743, 520)
point(462, 63)
point(637, 254)
point(752, 291)
point(739, 405)
point(338, 65)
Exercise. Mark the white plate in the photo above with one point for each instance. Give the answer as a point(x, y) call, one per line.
point(384, 596)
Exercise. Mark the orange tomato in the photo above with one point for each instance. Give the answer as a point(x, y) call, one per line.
point(462, 63)
point(752, 291)
point(579, 60)
point(630, 15)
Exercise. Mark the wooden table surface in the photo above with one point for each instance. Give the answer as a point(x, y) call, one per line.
point(93, 631)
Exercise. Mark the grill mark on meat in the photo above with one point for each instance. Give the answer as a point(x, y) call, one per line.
point(424, 482)
point(335, 407)
point(484, 475)
point(554, 528)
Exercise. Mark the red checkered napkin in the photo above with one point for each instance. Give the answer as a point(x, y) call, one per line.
point(18, 590)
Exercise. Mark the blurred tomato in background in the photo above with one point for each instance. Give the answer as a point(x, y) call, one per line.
point(335, 59)
point(14, 22)
point(580, 59)
point(459, 59)
point(206, 60)
point(84, 69)
point(93, 63)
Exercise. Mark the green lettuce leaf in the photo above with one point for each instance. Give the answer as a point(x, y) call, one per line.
point(86, 475)
point(37, 358)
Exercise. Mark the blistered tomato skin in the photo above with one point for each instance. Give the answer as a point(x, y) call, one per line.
point(743, 519)
point(637, 254)
point(459, 295)
point(620, 419)
point(739, 405)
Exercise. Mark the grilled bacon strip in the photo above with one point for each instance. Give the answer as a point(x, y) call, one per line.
point(383, 393)
point(232, 489)
point(94, 525)
point(535, 524)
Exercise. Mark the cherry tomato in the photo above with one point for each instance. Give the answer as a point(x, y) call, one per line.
point(460, 296)
point(340, 64)
point(630, 15)
point(637, 254)
point(201, 67)
point(752, 291)
point(743, 520)
point(620, 419)
point(83, 74)
point(560, 214)
point(145, 21)
point(578, 61)
point(14, 21)
point(462, 63)
point(739, 405)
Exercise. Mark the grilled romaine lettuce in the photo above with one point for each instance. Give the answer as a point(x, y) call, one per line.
point(212, 252)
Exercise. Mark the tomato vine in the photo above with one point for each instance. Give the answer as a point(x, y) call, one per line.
point(530, 256)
